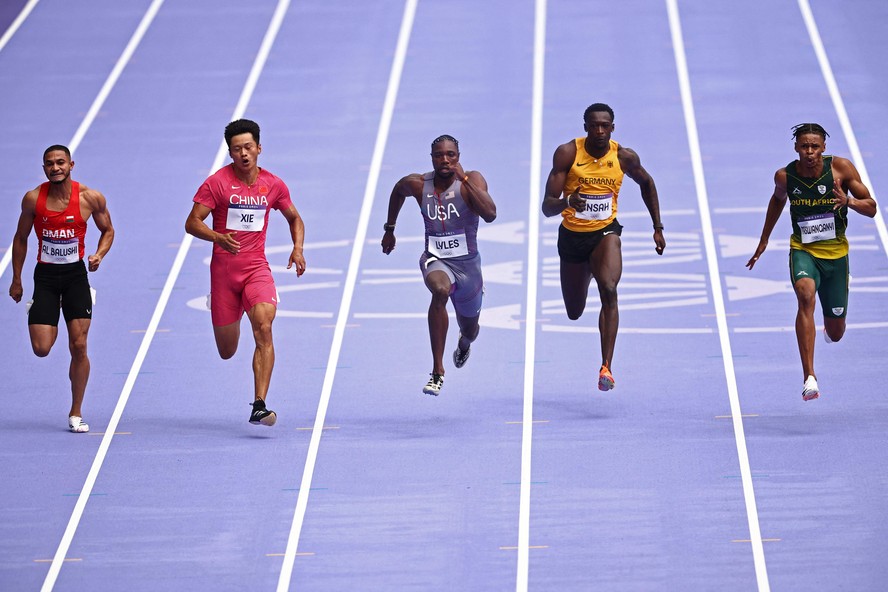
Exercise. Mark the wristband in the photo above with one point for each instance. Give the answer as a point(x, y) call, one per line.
point(388, 227)
point(658, 227)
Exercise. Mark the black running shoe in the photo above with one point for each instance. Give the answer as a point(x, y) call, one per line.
point(461, 356)
point(261, 415)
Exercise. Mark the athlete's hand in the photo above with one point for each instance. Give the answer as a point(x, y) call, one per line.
point(298, 260)
point(93, 262)
point(458, 170)
point(16, 291)
point(388, 242)
point(228, 242)
point(758, 253)
point(574, 196)
point(659, 241)
point(840, 198)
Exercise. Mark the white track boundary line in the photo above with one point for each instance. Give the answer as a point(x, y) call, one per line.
point(839, 105)
point(79, 507)
point(530, 327)
point(687, 101)
point(382, 134)
point(17, 23)
point(100, 99)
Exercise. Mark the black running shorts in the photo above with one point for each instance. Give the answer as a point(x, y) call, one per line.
point(64, 286)
point(576, 247)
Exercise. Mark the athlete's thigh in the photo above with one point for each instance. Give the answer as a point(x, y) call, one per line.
point(575, 279)
point(42, 337)
point(606, 261)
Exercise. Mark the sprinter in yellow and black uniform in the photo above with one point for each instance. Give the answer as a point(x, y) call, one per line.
point(821, 189)
point(583, 186)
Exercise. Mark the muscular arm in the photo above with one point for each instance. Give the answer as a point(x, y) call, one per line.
point(631, 165)
point(411, 185)
point(561, 163)
point(477, 198)
point(297, 233)
point(847, 180)
point(20, 243)
point(98, 207)
point(775, 208)
point(195, 226)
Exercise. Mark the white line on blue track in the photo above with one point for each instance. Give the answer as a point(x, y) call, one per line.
point(758, 553)
point(348, 291)
point(17, 23)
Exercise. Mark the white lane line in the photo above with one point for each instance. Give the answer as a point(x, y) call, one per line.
point(17, 23)
point(761, 572)
point(382, 134)
point(839, 105)
point(533, 239)
point(99, 101)
point(247, 92)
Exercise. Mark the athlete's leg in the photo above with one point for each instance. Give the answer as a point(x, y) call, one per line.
point(575, 280)
point(606, 263)
point(227, 337)
point(439, 285)
point(43, 337)
point(468, 330)
point(805, 329)
point(834, 327)
point(261, 317)
point(79, 369)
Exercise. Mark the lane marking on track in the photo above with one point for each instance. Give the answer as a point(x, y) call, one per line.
point(758, 553)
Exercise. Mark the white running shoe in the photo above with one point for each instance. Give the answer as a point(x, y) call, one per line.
point(433, 386)
point(810, 391)
point(77, 425)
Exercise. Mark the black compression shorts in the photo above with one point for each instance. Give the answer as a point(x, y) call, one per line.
point(64, 286)
point(576, 247)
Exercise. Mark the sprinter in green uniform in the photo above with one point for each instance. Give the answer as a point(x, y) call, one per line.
point(821, 189)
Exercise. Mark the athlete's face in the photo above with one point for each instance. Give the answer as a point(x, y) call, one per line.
point(599, 126)
point(244, 152)
point(810, 149)
point(57, 166)
point(445, 155)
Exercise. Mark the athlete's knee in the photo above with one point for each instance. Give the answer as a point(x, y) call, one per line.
point(41, 350)
point(608, 293)
point(835, 329)
point(440, 293)
point(227, 352)
point(574, 312)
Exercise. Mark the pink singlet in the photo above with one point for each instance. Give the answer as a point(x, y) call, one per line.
point(239, 282)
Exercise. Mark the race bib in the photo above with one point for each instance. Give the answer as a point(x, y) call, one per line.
point(817, 228)
point(596, 207)
point(245, 217)
point(59, 251)
point(451, 245)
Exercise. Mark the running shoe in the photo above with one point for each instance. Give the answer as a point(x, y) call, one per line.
point(433, 386)
point(77, 425)
point(460, 357)
point(605, 379)
point(810, 392)
point(261, 415)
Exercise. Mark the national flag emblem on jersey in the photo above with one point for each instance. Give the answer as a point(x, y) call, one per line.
point(263, 189)
point(69, 219)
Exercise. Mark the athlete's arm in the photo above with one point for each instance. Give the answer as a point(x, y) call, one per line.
point(562, 160)
point(847, 180)
point(631, 165)
point(474, 192)
point(98, 208)
point(297, 233)
point(195, 226)
point(775, 208)
point(20, 243)
point(411, 185)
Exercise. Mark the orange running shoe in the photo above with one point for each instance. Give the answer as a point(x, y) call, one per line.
point(605, 379)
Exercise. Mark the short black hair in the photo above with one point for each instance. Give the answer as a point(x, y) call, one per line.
point(596, 108)
point(241, 126)
point(809, 128)
point(55, 147)
point(444, 137)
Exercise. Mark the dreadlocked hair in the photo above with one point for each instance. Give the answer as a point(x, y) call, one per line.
point(808, 128)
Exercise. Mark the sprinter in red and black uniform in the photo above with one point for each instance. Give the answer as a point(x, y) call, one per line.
point(58, 212)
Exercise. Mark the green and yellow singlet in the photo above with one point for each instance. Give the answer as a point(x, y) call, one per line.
point(816, 227)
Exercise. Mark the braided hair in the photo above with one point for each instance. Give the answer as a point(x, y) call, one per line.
point(809, 128)
point(445, 137)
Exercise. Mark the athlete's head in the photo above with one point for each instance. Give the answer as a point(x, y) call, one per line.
point(445, 153)
point(57, 163)
point(241, 126)
point(810, 143)
point(598, 122)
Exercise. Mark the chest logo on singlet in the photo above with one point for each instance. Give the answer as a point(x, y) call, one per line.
point(821, 189)
point(246, 213)
point(441, 211)
point(796, 191)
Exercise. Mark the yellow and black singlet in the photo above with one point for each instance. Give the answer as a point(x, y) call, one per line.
point(816, 227)
point(598, 181)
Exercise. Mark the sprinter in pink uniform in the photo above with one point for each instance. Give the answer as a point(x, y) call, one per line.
point(239, 196)
point(58, 212)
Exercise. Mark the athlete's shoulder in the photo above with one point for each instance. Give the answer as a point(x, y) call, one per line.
point(565, 154)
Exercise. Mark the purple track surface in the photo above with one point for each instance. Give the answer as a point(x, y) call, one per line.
point(636, 489)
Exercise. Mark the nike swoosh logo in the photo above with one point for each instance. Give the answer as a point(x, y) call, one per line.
point(607, 233)
point(235, 186)
point(583, 164)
